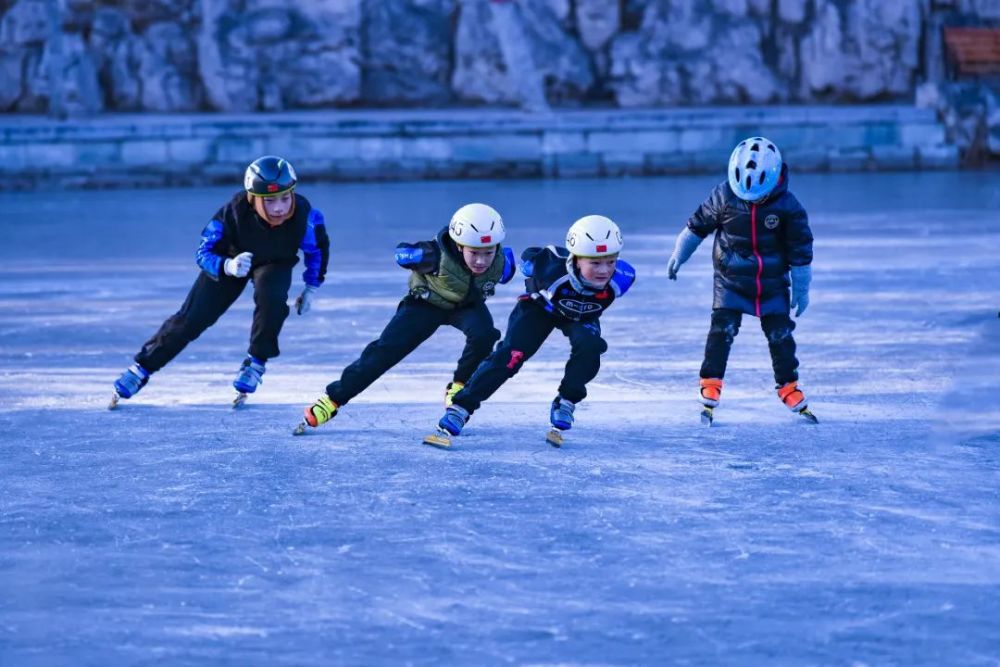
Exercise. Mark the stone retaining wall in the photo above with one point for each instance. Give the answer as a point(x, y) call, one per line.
point(129, 150)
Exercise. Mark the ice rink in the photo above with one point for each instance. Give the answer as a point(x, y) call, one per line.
point(178, 531)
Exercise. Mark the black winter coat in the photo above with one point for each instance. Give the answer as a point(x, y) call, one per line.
point(755, 244)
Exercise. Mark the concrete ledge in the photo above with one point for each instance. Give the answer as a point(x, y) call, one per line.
point(127, 150)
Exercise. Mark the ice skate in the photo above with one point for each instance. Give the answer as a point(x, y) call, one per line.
point(450, 425)
point(128, 385)
point(795, 400)
point(450, 391)
point(317, 414)
point(561, 416)
point(250, 375)
point(709, 393)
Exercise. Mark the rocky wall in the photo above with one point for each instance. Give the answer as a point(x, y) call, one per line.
point(266, 55)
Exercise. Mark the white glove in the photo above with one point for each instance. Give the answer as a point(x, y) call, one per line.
point(239, 266)
point(304, 302)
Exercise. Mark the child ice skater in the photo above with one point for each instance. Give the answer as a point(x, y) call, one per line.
point(450, 279)
point(255, 238)
point(762, 237)
point(566, 289)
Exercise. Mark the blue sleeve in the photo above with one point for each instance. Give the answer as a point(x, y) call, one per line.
point(315, 249)
point(209, 261)
point(623, 277)
point(509, 266)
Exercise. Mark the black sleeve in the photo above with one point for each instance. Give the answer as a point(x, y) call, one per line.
point(705, 220)
point(798, 236)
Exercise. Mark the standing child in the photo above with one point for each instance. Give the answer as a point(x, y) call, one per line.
point(566, 289)
point(255, 237)
point(761, 236)
point(451, 278)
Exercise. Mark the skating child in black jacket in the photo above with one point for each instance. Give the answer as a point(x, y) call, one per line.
point(762, 237)
point(255, 237)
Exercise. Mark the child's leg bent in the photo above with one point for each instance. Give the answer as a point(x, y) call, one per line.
point(586, 347)
point(725, 327)
point(204, 305)
point(413, 323)
point(778, 329)
point(476, 322)
point(528, 327)
point(270, 294)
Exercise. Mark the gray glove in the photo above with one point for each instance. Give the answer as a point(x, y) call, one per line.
point(801, 277)
point(304, 302)
point(239, 266)
point(687, 243)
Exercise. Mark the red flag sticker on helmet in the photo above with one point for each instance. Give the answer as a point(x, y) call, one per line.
point(602, 248)
point(485, 239)
point(272, 187)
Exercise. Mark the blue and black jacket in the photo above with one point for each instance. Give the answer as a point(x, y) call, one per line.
point(553, 282)
point(237, 228)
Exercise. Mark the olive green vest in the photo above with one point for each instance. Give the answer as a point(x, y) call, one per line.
point(450, 287)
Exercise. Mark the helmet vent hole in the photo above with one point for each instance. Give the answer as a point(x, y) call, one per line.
point(738, 179)
point(763, 175)
point(771, 148)
point(755, 147)
point(749, 182)
point(752, 164)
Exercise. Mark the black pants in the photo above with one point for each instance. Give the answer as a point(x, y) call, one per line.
point(209, 299)
point(777, 328)
point(528, 327)
point(414, 322)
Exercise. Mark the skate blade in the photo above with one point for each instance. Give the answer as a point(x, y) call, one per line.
point(240, 400)
point(301, 428)
point(554, 437)
point(808, 416)
point(441, 440)
point(707, 416)
point(114, 401)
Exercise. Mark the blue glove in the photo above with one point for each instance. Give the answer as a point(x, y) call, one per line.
point(801, 277)
point(687, 243)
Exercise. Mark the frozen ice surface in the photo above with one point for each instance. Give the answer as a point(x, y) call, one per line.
point(176, 531)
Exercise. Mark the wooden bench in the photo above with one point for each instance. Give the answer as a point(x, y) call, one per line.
point(974, 51)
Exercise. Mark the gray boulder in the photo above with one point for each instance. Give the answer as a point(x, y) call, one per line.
point(517, 53)
point(406, 51)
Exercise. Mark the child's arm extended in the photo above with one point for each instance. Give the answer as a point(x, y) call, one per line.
point(422, 257)
point(702, 223)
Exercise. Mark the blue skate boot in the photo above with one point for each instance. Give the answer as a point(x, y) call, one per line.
point(250, 375)
point(561, 417)
point(451, 424)
point(128, 385)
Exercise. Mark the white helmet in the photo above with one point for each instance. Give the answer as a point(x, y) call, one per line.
point(594, 236)
point(477, 226)
point(754, 168)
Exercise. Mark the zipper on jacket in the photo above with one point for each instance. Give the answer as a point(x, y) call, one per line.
point(756, 253)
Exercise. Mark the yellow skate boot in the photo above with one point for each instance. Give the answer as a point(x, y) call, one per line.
point(317, 414)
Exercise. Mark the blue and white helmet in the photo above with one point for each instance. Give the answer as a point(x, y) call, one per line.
point(754, 168)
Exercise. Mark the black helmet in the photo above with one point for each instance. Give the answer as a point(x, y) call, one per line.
point(269, 176)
